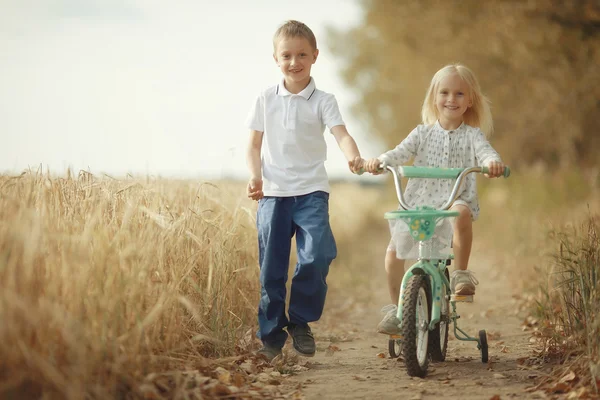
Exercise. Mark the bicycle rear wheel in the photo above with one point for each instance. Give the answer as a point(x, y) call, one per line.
point(415, 325)
point(483, 346)
point(394, 347)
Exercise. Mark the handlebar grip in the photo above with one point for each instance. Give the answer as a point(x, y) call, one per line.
point(485, 170)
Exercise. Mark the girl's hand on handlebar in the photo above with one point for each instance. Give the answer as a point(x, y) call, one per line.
point(372, 166)
point(496, 169)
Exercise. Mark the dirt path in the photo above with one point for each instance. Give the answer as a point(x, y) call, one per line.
point(348, 364)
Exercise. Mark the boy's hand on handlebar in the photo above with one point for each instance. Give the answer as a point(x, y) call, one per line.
point(255, 189)
point(372, 166)
point(356, 165)
point(496, 169)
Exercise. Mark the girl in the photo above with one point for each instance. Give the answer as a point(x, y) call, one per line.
point(456, 119)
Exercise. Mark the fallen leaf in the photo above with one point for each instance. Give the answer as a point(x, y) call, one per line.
point(539, 395)
point(219, 390)
point(223, 375)
point(493, 335)
point(381, 355)
point(331, 349)
point(495, 397)
point(560, 387)
point(568, 377)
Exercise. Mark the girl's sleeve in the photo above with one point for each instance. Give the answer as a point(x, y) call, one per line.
point(404, 151)
point(484, 152)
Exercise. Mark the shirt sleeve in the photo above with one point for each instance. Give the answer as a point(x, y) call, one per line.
point(404, 151)
point(484, 152)
point(256, 117)
point(330, 112)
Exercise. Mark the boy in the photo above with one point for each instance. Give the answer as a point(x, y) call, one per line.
point(289, 180)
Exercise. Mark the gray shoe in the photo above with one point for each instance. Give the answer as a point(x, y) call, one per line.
point(462, 282)
point(269, 352)
point(389, 325)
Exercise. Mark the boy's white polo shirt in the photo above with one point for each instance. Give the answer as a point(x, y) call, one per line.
point(294, 149)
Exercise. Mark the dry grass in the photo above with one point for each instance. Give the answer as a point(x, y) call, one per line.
point(550, 227)
point(104, 281)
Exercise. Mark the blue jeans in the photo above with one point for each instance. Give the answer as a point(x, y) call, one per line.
point(278, 219)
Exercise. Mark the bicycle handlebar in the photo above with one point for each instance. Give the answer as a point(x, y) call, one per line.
point(439, 173)
point(436, 173)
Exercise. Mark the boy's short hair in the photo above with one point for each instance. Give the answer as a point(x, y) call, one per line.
point(291, 29)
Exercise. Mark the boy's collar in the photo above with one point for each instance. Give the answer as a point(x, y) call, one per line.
point(307, 92)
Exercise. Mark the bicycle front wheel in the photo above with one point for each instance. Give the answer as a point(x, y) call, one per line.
point(438, 338)
point(415, 325)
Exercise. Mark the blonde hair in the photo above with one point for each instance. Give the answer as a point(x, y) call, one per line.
point(292, 29)
point(478, 115)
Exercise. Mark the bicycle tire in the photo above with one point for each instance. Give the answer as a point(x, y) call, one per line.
point(438, 338)
point(484, 346)
point(417, 299)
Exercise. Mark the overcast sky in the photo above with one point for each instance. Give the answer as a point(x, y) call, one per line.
point(139, 86)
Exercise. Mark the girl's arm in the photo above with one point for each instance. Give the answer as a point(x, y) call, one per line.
point(404, 151)
point(484, 152)
point(487, 156)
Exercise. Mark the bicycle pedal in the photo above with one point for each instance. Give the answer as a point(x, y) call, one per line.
point(462, 298)
point(396, 337)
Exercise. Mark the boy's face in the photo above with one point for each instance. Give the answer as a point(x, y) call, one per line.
point(295, 57)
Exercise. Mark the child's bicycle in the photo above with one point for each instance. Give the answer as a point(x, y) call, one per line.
point(425, 296)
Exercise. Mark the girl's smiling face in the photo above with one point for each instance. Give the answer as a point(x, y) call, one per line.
point(452, 99)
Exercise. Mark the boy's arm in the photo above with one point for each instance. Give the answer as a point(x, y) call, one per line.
point(253, 161)
point(348, 147)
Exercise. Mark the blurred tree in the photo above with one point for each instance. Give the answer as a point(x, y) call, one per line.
point(537, 60)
